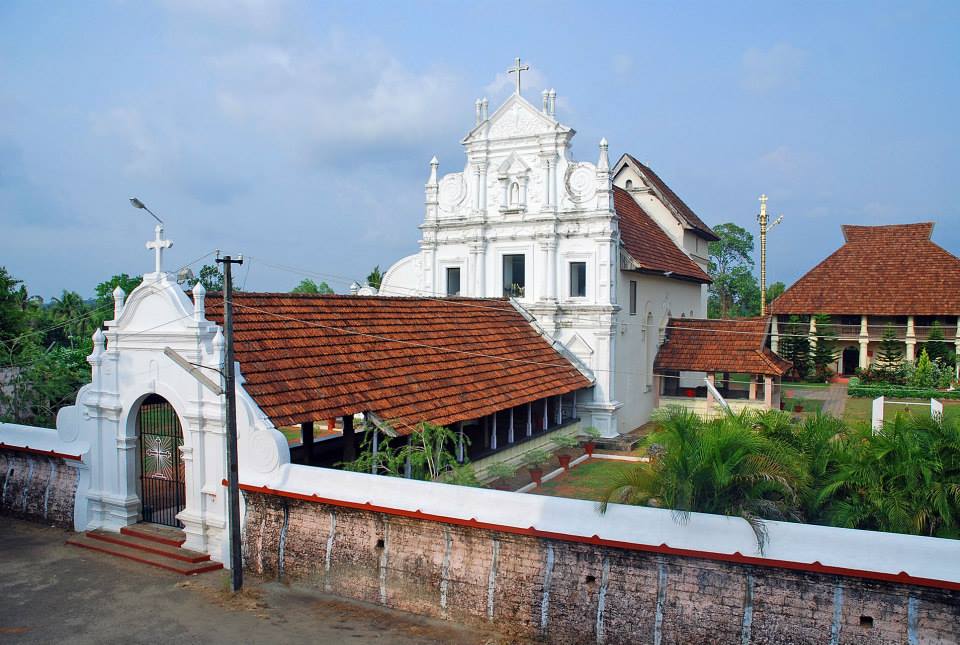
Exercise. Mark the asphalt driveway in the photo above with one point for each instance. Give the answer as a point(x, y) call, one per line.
point(54, 593)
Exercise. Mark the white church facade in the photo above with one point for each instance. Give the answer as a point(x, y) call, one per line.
point(598, 257)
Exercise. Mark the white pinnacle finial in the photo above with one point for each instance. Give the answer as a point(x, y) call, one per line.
point(118, 297)
point(199, 295)
point(99, 343)
point(604, 162)
point(434, 164)
point(158, 244)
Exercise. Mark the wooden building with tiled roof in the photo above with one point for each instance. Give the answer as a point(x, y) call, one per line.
point(472, 364)
point(882, 276)
point(701, 349)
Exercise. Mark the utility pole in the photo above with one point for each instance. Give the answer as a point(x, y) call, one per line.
point(762, 218)
point(233, 496)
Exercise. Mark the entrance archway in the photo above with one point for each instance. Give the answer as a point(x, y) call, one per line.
point(850, 360)
point(162, 480)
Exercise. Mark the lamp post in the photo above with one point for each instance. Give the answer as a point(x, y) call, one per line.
point(764, 228)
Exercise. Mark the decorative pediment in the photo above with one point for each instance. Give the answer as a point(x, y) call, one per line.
point(513, 165)
point(579, 347)
point(517, 117)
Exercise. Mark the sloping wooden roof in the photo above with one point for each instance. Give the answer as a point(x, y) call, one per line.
point(880, 270)
point(700, 345)
point(648, 244)
point(683, 212)
point(308, 357)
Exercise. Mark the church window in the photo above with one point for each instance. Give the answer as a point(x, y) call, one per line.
point(633, 297)
point(453, 281)
point(514, 278)
point(629, 184)
point(578, 279)
point(514, 194)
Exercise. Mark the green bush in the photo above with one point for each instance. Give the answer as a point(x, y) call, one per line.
point(872, 391)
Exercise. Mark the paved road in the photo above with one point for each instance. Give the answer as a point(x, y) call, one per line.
point(54, 593)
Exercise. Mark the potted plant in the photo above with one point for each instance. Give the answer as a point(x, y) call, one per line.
point(565, 442)
point(592, 434)
point(798, 405)
point(500, 470)
point(534, 461)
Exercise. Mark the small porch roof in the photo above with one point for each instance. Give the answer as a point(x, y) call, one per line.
point(700, 345)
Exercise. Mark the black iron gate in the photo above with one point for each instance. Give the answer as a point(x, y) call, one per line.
point(162, 482)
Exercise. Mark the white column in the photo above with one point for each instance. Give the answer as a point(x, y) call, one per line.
point(523, 192)
point(460, 442)
point(774, 334)
point(469, 282)
point(504, 196)
point(911, 339)
point(551, 267)
point(510, 428)
point(813, 332)
point(864, 358)
point(712, 378)
point(483, 186)
point(477, 188)
point(768, 391)
point(547, 183)
point(540, 271)
point(530, 418)
point(493, 432)
point(376, 447)
point(573, 406)
point(546, 413)
point(559, 416)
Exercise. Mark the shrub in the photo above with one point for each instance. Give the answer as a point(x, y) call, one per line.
point(592, 433)
point(565, 441)
point(501, 470)
point(535, 458)
point(872, 391)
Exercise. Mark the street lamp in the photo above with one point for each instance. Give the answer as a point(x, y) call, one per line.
point(764, 227)
point(136, 203)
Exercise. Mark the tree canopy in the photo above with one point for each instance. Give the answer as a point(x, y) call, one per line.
point(309, 286)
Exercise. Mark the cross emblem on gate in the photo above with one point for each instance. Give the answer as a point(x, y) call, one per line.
point(158, 451)
point(158, 244)
point(516, 69)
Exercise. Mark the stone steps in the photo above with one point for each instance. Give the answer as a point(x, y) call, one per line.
point(148, 544)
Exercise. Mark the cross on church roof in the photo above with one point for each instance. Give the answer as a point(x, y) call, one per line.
point(158, 244)
point(516, 69)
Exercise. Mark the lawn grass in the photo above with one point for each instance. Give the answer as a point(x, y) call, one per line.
point(586, 481)
point(811, 406)
point(292, 433)
point(859, 410)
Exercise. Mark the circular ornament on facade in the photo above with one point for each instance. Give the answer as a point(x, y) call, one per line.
point(581, 182)
point(452, 191)
point(264, 454)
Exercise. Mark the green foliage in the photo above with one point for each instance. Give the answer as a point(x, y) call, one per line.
point(430, 451)
point(889, 363)
point(592, 433)
point(937, 348)
point(721, 466)
point(825, 351)
point(795, 346)
point(461, 475)
point(535, 458)
point(211, 278)
point(565, 441)
point(873, 390)
point(923, 375)
point(765, 465)
point(375, 277)
point(13, 318)
point(46, 381)
point(905, 479)
point(103, 296)
point(501, 470)
point(309, 286)
point(735, 291)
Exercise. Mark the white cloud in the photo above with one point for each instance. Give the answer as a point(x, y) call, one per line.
point(769, 69)
point(342, 93)
point(144, 152)
point(622, 64)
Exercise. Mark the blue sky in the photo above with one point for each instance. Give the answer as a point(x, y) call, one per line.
point(300, 133)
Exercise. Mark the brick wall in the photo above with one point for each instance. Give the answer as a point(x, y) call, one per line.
point(37, 487)
point(568, 592)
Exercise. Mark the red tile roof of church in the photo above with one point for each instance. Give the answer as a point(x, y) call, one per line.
point(880, 270)
point(674, 202)
point(648, 244)
point(307, 357)
point(700, 345)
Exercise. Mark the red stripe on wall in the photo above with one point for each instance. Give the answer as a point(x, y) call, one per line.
point(37, 451)
point(737, 557)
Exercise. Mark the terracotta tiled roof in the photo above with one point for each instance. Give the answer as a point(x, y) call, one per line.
point(673, 201)
point(700, 345)
point(648, 244)
point(882, 271)
point(307, 357)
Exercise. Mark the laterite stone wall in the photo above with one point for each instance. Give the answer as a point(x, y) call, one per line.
point(37, 488)
point(566, 592)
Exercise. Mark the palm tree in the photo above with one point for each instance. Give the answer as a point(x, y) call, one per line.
point(904, 479)
point(723, 466)
point(71, 310)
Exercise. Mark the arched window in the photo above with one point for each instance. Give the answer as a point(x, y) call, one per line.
point(629, 184)
point(514, 194)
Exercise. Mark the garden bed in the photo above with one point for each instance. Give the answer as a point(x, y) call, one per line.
point(587, 481)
